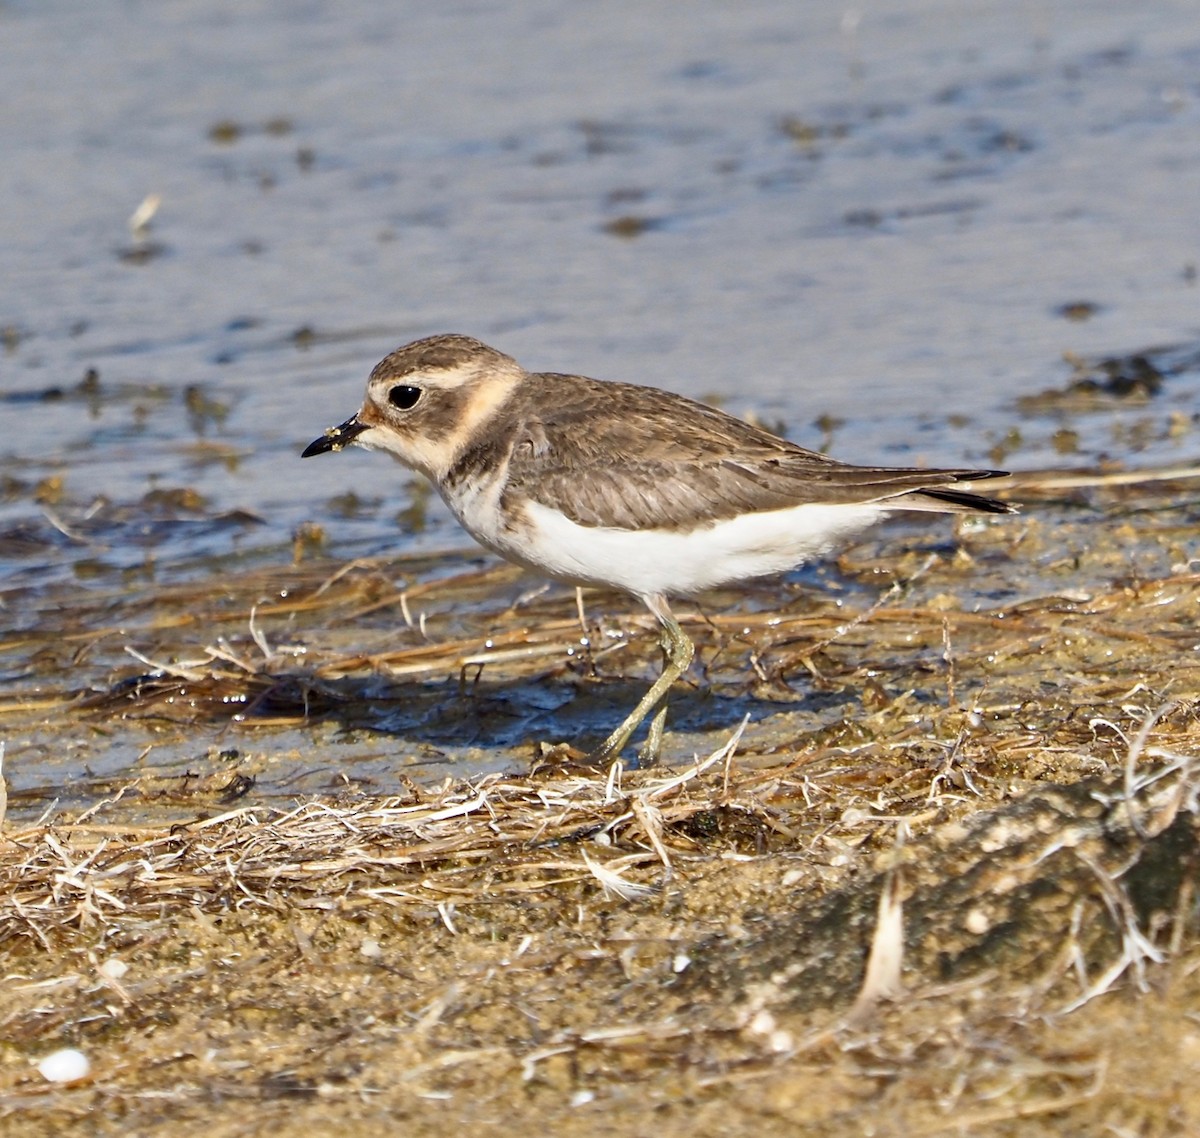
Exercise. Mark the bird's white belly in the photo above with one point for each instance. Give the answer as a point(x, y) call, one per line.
point(645, 562)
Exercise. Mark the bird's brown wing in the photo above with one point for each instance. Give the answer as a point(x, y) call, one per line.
point(628, 457)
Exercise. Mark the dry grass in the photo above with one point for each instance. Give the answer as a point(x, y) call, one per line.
point(944, 883)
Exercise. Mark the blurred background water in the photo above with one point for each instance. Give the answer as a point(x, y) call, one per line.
point(875, 227)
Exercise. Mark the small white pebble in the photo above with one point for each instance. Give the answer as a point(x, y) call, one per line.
point(582, 1098)
point(763, 1023)
point(65, 1066)
point(680, 962)
point(781, 1042)
point(113, 968)
point(370, 948)
point(977, 922)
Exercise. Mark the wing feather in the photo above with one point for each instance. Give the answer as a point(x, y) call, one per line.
point(615, 455)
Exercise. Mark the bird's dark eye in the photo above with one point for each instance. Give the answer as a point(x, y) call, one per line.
point(403, 396)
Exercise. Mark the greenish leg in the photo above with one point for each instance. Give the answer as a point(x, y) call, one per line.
point(678, 651)
point(650, 750)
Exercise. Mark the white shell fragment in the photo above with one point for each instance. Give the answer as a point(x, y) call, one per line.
point(65, 1066)
point(113, 968)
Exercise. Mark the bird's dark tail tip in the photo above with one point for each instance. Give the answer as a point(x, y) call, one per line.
point(968, 502)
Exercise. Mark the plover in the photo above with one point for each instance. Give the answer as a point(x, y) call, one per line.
point(593, 482)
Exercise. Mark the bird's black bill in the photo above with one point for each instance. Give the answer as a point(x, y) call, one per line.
point(335, 438)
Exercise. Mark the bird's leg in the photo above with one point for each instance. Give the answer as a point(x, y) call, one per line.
point(651, 747)
point(649, 751)
point(678, 651)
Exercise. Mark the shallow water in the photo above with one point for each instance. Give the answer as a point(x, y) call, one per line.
point(874, 216)
point(877, 230)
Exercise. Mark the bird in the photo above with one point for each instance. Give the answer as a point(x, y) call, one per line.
point(601, 483)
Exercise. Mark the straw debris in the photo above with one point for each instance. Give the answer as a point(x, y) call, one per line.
point(258, 874)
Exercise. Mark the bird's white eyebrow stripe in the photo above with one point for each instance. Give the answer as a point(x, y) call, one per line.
point(446, 378)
